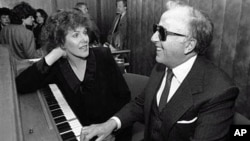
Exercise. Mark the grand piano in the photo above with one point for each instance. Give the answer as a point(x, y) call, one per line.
point(40, 116)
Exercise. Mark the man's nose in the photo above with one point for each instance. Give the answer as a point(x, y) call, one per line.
point(155, 37)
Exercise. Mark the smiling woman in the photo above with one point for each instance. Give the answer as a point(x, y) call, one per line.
point(89, 78)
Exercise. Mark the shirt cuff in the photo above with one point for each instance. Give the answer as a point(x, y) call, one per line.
point(118, 122)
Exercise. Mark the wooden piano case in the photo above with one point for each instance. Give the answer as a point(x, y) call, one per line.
point(22, 117)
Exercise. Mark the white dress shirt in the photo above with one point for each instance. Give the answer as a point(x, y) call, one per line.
point(180, 72)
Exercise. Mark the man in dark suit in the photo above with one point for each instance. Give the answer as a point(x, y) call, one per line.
point(187, 97)
point(117, 36)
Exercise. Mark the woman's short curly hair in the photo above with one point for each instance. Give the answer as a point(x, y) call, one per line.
point(57, 26)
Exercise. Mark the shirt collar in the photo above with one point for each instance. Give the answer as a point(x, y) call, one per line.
point(181, 71)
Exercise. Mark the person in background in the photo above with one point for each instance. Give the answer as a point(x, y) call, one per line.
point(187, 97)
point(40, 20)
point(94, 33)
point(4, 17)
point(21, 40)
point(117, 36)
point(89, 78)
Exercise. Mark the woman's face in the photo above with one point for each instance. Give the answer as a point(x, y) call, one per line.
point(39, 18)
point(77, 43)
point(4, 20)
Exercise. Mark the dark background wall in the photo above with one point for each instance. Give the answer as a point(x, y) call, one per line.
point(230, 48)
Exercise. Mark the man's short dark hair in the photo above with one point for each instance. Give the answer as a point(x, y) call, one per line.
point(22, 11)
point(5, 11)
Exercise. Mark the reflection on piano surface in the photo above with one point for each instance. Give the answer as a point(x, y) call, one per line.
point(122, 59)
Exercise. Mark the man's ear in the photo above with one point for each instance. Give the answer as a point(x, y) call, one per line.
point(190, 46)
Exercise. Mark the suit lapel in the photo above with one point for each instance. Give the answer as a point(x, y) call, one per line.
point(123, 19)
point(183, 99)
point(115, 23)
point(154, 83)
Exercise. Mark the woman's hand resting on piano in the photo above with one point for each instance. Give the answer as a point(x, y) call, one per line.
point(99, 132)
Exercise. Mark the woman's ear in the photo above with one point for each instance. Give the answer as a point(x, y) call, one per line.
point(190, 46)
point(62, 47)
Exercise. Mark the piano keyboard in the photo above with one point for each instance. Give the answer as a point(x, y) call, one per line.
point(67, 123)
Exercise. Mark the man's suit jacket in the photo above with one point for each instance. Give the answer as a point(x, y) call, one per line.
point(21, 41)
point(201, 108)
point(119, 37)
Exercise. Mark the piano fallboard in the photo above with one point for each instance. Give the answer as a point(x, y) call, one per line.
point(37, 122)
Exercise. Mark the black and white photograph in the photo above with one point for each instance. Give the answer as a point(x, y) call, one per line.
point(124, 70)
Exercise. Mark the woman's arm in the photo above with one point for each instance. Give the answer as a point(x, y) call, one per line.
point(39, 74)
point(54, 55)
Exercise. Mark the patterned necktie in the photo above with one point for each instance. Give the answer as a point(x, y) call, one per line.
point(164, 95)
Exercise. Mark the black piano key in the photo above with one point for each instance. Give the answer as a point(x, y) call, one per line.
point(61, 122)
point(94, 138)
point(50, 99)
point(60, 119)
point(47, 92)
point(51, 102)
point(63, 127)
point(57, 113)
point(54, 107)
point(73, 140)
point(69, 136)
point(48, 95)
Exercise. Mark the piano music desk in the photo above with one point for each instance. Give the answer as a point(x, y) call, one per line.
point(123, 54)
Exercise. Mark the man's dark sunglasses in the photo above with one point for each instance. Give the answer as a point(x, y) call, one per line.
point(163, 33)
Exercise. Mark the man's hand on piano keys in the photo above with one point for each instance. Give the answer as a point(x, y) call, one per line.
point(102, 131)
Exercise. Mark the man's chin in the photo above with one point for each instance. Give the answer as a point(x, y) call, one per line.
point(158, 59)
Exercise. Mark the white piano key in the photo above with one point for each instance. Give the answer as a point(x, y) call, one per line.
point(77, 131)
point(67, 112)
point(78, 138)
point(74, 123)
